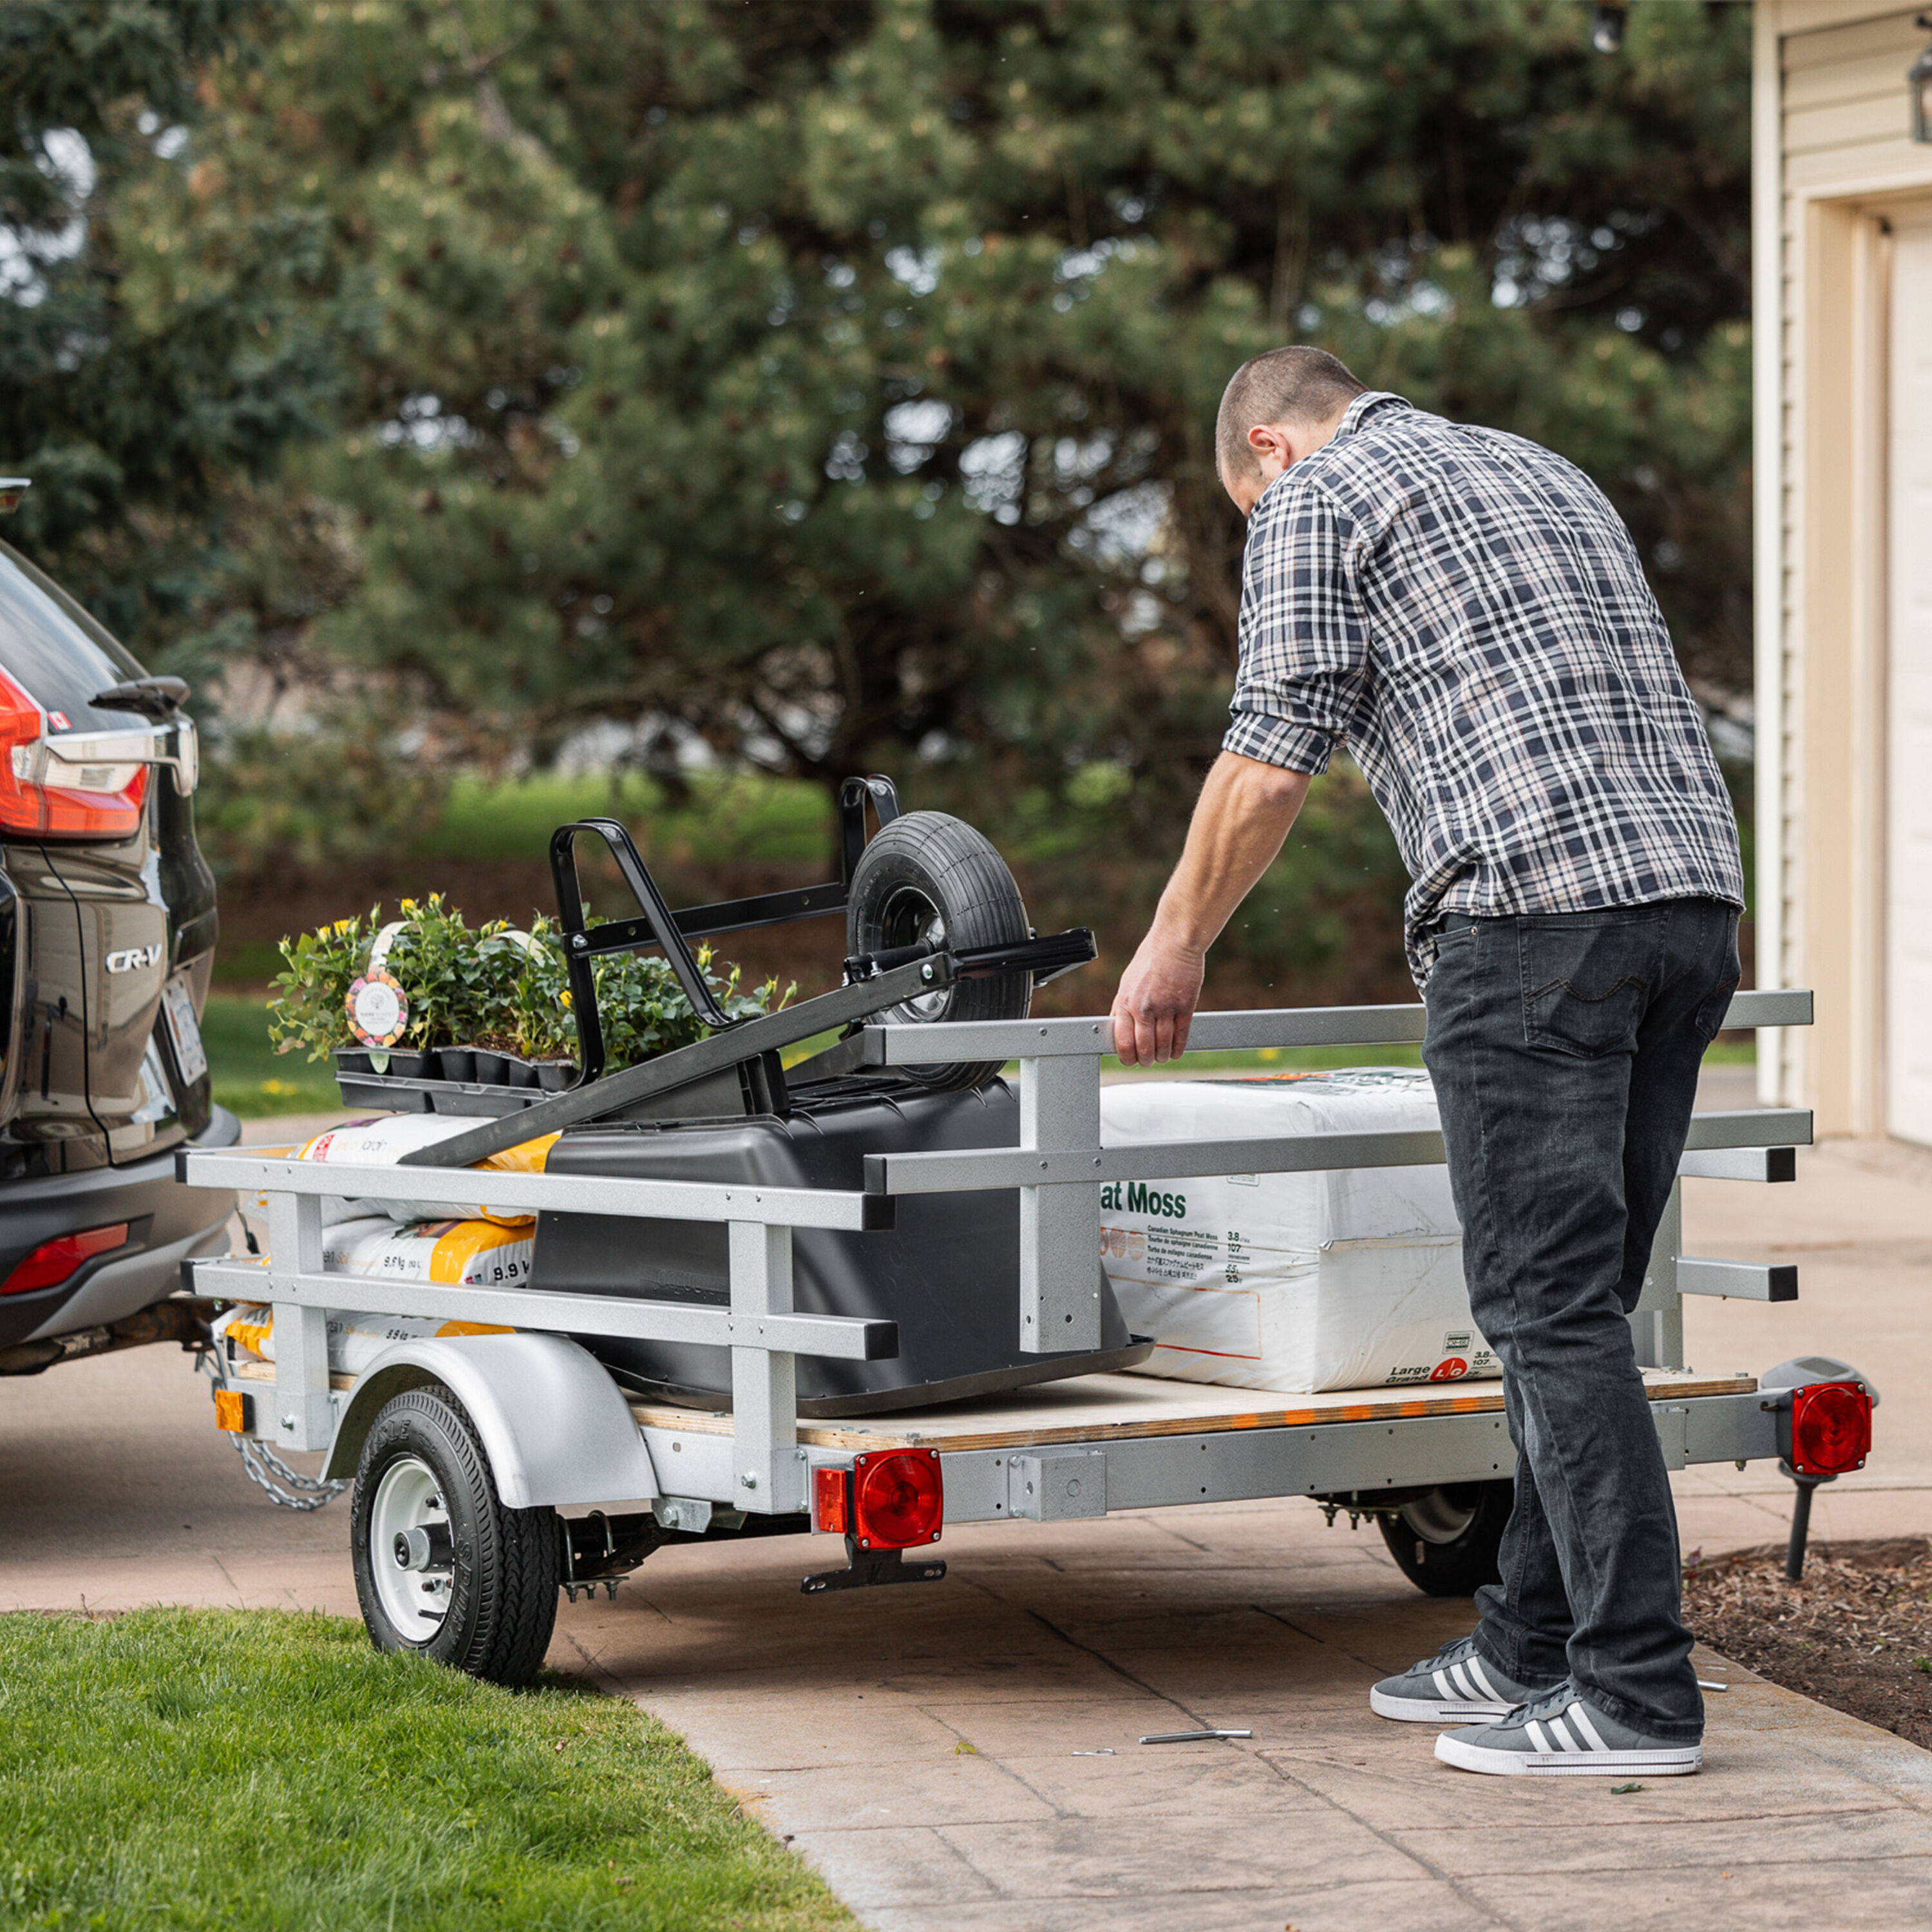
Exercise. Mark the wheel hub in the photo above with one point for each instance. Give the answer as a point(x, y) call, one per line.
point(910, 919)
point(412, 1559)
point(1441, 1517)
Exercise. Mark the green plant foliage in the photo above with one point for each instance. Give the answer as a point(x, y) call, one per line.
point(494, 987)
point(259, 1770)
point(310, 1005)
point(171, 329)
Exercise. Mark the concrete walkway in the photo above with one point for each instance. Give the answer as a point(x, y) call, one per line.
point(960, 1795)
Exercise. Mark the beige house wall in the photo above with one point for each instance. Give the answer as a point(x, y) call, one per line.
point(1833, 167)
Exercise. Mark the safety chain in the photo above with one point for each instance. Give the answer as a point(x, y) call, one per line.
point(264, 1469)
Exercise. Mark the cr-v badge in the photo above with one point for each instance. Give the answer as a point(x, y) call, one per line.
point(134, 959)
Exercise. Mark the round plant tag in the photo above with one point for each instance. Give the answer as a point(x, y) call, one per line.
point(378, 1011)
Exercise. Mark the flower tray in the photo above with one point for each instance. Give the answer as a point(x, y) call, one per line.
point(436, 1082)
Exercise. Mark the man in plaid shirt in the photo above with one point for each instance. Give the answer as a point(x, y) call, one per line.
point(1466, 613)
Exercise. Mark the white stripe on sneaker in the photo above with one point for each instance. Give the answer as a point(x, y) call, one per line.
point(1444, 1687)
point(1592, 1737)
point(1459, 1677)
point(1534, 1732)
point(1482, 1679)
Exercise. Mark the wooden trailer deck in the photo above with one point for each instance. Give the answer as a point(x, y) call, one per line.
point(1102, 1408)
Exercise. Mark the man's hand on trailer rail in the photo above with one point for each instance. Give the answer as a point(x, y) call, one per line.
point(1244, 814)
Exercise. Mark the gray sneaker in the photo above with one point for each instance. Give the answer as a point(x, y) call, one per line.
point(1557, 1735)
point(1453, 1686)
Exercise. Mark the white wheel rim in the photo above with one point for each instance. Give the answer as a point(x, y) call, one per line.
point(408, 1497)
point(1435, 1518)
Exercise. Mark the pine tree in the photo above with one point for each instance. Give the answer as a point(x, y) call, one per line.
point(834, 382)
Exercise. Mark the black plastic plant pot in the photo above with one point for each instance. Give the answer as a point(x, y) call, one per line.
point(455, 1063)
point(354, 1060)
point(409, 1066)
point(490, 1069)
point(553, 1076)
point(518, 1072)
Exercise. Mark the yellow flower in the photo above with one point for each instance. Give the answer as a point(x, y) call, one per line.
point(343, 924)
point(564, 997)
point(409, 905)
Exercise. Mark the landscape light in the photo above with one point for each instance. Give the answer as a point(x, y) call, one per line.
point(1606, 25)
point(1919, 80)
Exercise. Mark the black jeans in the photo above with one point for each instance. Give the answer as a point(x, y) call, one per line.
point(1565, 1048)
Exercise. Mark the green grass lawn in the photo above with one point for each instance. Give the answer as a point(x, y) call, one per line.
point(244, 1769)
point(251, 1077)
point(730, 816)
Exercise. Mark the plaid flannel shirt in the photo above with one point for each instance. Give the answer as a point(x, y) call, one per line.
point(1467, 613)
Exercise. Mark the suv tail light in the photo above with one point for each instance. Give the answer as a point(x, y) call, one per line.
point(1830, 1428)
point(59, 1260)
point(91, 786)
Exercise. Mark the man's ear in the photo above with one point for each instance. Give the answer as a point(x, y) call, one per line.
point(1273, 447)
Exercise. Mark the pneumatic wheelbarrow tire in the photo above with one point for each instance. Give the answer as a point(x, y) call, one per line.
point(928, 877)
point(442, 1568)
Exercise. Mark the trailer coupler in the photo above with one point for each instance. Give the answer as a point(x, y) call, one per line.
point(865, 1568)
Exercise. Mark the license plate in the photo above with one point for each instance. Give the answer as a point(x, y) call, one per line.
point(178, 1008)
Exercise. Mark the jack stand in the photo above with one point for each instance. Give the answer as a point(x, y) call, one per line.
point(1801, 1522)
point(865, 1569)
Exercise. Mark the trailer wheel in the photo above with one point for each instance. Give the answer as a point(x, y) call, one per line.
point(1446, 1542)
point(441, 1566)
point(929, 876)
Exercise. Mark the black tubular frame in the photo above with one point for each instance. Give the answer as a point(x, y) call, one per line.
point(657, 925)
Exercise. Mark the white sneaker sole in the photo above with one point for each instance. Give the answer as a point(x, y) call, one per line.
point(1660, 1761)
point(1436, 1710)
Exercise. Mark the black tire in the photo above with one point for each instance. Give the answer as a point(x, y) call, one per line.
point(1446, 1542)
point(928, 875)
point(500, 1585)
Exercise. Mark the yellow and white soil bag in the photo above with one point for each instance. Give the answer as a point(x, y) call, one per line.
point(480, 1253)
point(1348, 1278)
point(382, 1141)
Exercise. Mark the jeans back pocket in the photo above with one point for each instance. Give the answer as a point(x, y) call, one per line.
point(1587, 977)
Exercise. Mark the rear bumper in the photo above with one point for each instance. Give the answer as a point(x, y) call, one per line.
point(170, 1221)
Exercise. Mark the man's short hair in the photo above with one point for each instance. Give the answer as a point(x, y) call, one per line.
point(1295, 384)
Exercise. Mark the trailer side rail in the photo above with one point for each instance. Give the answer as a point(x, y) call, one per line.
point(1058, 1170)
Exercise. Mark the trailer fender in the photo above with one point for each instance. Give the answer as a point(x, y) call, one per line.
point(556, 1428)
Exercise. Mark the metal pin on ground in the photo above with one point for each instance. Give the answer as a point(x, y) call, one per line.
point(1191, 1737)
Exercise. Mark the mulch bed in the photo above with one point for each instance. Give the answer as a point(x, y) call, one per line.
point(1856, 1634)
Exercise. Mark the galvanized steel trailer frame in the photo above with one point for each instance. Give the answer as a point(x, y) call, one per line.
point(545, 1448)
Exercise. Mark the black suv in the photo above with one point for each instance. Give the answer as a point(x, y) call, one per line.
point(107, 927)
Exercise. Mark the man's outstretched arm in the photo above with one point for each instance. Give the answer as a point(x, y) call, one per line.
point(1243, 815)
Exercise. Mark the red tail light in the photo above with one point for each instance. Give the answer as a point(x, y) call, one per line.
point(45, 796)
point(1830, 1428)
point(54, 1261)
point(897, 1499)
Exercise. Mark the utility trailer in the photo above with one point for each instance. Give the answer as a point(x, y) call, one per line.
point(466, 1450)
